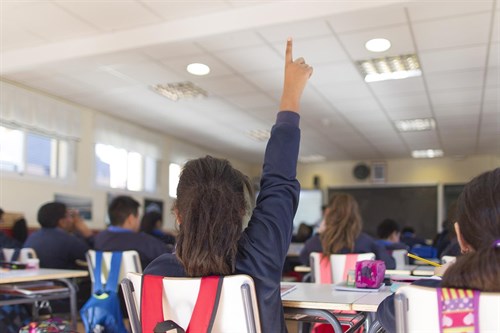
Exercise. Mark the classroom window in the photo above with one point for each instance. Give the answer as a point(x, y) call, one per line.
point(122, 169)
point(25, 152)
point(174, 171)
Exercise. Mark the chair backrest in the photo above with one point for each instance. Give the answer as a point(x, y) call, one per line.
point(401, 258)
point(237, 311)
point(130, 263)
point(417, 310)
point(447, 259)
point(24, 254)
point(339, 266)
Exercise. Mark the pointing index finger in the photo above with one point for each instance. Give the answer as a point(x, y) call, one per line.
point(288, 54)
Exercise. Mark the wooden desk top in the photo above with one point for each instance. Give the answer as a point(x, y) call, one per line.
point(28, 275)
point(319, 296)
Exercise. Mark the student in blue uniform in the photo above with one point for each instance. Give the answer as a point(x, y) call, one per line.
point(123, 233)
point(211, 204)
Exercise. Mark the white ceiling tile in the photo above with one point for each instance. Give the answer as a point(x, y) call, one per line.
point(453, 80)
point(253, 100)
point(456, 109)
point(496, 27)
point(108, 17)
point(398, 87)
point(399, 36)
point(409, 113)
point(345, 91)
point(150, 73)
point(172, 50)
point(271, 80)
point(421, 140)
point(12, 38)
point(452, 32)
point(174, 10)
point(244, 59)
point(228, 85)
point(296, 30)
point(33, 16)
point(494, 57)
point(317, 51)
point(419, 10)
point(492, 95)
point(234, 40)
point(334, 73)
point(368, 104)
point(465, 96)
point(453, 59)
point(371, 19)
point(394, 103)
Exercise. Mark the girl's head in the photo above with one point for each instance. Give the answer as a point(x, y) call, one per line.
point(209, 208)
point(342, 224)
point(478, 212)
point(478, 232)
point(151, 221)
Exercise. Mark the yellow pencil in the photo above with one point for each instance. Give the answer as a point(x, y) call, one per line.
point(411, 255)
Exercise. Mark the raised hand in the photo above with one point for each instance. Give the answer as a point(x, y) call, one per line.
point(297, 72)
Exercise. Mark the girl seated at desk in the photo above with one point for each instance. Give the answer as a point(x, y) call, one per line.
point(478, 233)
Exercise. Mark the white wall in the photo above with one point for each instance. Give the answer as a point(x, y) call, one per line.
point(25, 194)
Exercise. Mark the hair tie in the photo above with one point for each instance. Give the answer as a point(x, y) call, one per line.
point(496, 243)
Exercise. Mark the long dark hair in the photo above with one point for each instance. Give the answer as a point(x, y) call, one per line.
point(478, 215)
point(343, 224)
point(210, 206)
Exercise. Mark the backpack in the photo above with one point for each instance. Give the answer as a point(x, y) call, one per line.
point(202, 318)
point(102, 312)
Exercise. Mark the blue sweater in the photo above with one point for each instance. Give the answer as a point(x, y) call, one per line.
point(264, 243)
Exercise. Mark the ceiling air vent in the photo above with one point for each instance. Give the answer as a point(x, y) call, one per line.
point(180, 90)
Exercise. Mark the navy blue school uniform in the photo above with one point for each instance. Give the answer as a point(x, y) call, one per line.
point(363, 244)
point(119, 239)
point(56, 248)
point(263, 245)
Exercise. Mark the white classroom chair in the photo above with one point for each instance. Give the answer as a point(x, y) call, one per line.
point(237, 310)
point(417, 310)
point(130, 263)
point(24, 254)
point(400, 257)
point(340, 265)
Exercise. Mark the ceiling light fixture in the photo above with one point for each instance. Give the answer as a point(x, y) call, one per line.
point(259, 135)
point(378, 45)
point(390, 68)
point(412, 125)
point(427, 153)
point(180, 90)
point(198, 69)
point(312, 158)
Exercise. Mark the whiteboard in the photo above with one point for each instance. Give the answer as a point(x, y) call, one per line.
point(309, 210)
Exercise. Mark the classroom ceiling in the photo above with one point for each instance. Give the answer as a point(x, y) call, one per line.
point(106, 55)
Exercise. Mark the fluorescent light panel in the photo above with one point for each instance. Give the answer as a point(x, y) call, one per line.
point(427, 153)
point(180, 90)
point(412, 125)
point(259, 135)
point(390, 68)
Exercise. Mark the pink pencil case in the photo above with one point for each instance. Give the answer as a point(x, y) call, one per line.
point(370, 273)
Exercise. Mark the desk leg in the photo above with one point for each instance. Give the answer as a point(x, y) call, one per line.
point(325, 314)
point(72, 302)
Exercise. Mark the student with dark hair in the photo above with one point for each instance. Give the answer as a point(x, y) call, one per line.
point(54, 246)
point(20, 230)
point(478, 232)
point(388, 232)
point(211, 205)
point(342, 233)
point(123, 233)
point(5, 240)
point(151, 224)
point(409, 237)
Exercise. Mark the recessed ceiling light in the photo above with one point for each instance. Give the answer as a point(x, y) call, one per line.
point(198, 69)
point(378, 45)
point(427, 153)
point(390, 68)
point(419, 124)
